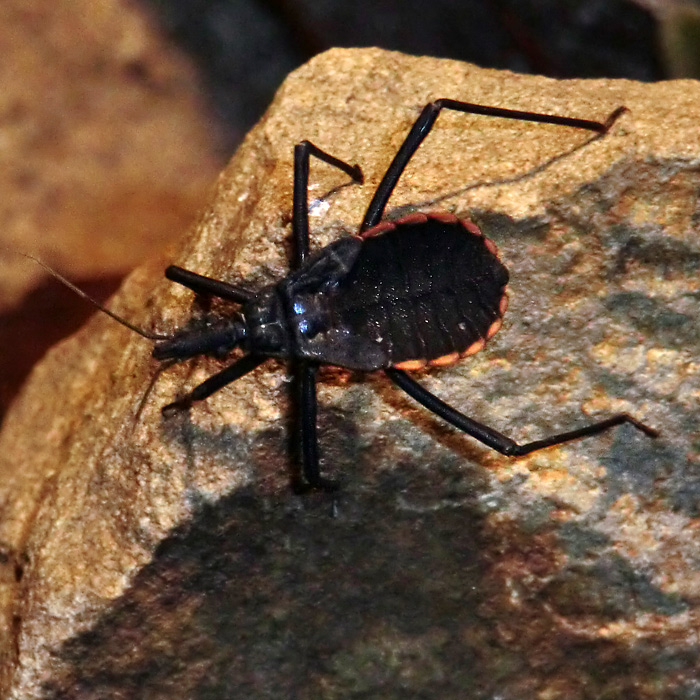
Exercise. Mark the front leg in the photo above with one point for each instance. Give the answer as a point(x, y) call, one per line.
point(217, 381)
point(200, 284)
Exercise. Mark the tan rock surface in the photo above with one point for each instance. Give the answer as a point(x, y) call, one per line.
point(162, 558)
point(106, 149)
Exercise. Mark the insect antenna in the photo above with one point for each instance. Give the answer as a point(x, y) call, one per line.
point(119, 319)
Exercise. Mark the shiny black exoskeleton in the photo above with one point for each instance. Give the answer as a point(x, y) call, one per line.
point(423, 291)
point(426, 289)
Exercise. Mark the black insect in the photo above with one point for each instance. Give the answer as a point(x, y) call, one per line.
point(423, 290)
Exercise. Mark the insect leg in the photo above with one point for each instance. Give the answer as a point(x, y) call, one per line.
point(206, 285)
point(300, 206)
point(304, 372)
point(217, 381)
point(425, 123)
point(306, 437)
point(493, 438)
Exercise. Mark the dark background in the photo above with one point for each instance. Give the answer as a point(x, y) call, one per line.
point(245, 48)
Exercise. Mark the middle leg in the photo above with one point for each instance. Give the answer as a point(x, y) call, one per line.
point(306, 437)
point(300, 202)
point(305, 372)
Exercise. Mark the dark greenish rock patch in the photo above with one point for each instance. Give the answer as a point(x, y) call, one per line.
point(655, 319)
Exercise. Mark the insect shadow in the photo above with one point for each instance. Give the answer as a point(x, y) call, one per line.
point(422, 290)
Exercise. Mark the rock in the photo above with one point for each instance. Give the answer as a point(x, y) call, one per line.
point(107, 155)
point(168, 557)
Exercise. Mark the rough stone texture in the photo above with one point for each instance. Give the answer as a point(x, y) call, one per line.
point(168, 558)
point(107, 152)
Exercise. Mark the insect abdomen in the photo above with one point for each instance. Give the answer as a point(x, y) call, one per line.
point(427, 290)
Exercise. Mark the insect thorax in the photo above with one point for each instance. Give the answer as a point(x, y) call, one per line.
point(267, 329)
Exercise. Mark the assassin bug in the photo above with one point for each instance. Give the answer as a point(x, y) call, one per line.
point(423, 290)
